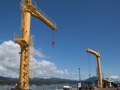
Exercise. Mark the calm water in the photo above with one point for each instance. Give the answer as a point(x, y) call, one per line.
point(56, 87)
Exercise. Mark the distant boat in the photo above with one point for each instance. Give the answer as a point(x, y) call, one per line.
point(67, 88)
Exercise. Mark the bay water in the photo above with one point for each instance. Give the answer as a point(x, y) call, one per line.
point(47, 87)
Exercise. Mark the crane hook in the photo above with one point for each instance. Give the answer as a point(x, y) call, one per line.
point(53, 39)
point(53, 44)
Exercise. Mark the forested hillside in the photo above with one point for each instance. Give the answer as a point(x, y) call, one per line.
point(37, 81)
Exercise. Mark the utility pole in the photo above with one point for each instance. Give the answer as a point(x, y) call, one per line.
point(79, 84)
point(103, 75)
point(79, 74)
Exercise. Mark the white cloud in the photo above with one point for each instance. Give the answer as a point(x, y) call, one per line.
point(47, 69)
point(115, 77)
point(39, 53)
point(9, 59)
point(10, 63)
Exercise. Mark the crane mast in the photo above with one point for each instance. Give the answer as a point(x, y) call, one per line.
point(24, 39)
point(97, 54)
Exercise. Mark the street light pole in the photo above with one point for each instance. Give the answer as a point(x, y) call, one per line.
point(79, 74)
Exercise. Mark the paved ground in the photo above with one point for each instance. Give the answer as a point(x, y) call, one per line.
point(107, 89)
point(104, 89)
point(74, 88)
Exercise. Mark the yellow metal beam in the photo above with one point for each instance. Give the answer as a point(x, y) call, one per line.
point(38, 13)
point(97, 54)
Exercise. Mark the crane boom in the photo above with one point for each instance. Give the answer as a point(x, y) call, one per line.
point(29, 9)
point(38, 13)
point(97, 54)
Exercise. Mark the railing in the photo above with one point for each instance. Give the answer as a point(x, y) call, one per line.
point(40, 11)
point(20, 35)
point(31, 43)
point(31, 40)
point(31, 59)
point(17, 35)
point(47, 17)
point(43, 14)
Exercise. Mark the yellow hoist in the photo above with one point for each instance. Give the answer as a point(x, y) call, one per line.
point(97, 54)
point(26, 41)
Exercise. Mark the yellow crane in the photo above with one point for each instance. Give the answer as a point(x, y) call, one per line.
point(25, 40)
point(97, 54)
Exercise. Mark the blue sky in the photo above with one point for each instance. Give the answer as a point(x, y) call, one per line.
point(81, 24)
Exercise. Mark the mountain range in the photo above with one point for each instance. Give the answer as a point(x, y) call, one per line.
point(38, 81)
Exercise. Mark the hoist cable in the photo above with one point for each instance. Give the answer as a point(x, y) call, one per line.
point(53, 39)
point(89, 66)
point(54, 36)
